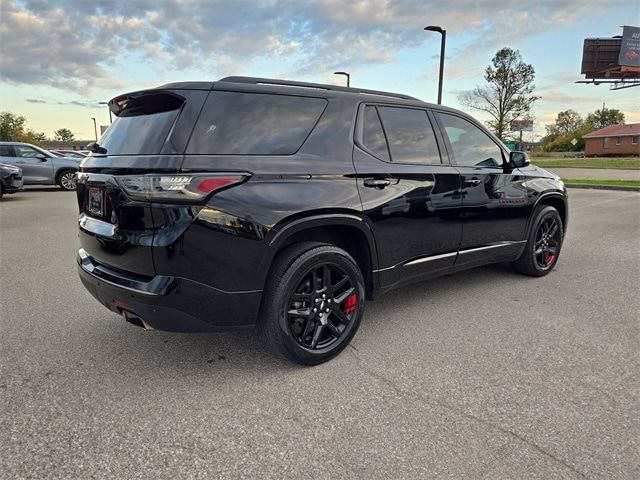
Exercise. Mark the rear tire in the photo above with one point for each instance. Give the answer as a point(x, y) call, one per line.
point(543, 246)
point(67, 180)
point(313, 302)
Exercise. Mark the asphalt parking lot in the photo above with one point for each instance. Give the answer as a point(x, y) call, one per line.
point(484, 374)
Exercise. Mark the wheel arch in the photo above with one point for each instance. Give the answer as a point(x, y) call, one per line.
point(556, 200)
point(346, 231)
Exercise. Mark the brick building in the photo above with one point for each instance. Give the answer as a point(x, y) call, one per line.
point(613, 140)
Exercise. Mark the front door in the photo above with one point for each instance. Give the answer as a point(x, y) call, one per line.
point(34, 170)
point(495, 204)
point(410, 198)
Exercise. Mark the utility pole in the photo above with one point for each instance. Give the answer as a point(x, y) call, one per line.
point(443, 33)
point(346, 74)
point(95, 128)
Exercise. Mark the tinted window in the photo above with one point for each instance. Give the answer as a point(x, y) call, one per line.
point(142, 126)
point(410, 136)
point(26, 152)
point(233, 123)
point(373, 135)
point(471, 146)
point(6, 151)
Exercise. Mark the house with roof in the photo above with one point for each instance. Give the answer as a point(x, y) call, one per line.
point(613, 140)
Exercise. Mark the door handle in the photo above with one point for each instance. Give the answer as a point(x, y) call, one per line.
point(376, 182)
point(471, 182)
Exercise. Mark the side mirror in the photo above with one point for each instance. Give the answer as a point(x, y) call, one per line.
point(518, 159)
point(42, 157)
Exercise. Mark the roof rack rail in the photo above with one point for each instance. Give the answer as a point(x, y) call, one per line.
point(321, 86)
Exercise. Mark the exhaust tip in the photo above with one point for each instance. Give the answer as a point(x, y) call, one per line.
point(136, 320)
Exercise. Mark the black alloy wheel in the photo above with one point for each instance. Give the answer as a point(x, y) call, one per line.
point(547, 243)
point(313, 302)
point(322, 306)
point(544, 241)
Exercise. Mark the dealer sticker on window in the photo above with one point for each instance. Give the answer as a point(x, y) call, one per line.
point(96, 202)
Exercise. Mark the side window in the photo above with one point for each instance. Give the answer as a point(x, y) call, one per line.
point(234, 123)
point(373, 135)
point(410, 135)
point(471, 146)
point(26, 152)
point(6, 151)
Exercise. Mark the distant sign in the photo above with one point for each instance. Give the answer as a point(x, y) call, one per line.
point(521, 125)
point(573, 142)
point(630, 47)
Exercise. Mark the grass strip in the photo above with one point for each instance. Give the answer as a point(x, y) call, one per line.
point(627, 163)
point(603, 182)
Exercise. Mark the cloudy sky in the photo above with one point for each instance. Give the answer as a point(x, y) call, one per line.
point(59, 58)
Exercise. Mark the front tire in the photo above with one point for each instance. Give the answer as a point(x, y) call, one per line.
point(313, 303)
point(543, 246)
point(67, 180)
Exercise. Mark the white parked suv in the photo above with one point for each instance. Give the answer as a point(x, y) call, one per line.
point(40, 167)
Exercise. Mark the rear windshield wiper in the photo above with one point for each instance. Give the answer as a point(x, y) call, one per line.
point(95, 148)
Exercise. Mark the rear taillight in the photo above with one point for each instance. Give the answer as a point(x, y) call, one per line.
point(188, 188)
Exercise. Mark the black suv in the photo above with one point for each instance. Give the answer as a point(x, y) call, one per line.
point(250, 201)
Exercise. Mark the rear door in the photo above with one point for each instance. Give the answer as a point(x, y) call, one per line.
point(410, 197)
point(494, 203)
point(148, 136)
point(7, 154)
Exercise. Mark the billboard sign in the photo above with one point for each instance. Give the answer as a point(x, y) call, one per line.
point(630, 47)
point(522, 125)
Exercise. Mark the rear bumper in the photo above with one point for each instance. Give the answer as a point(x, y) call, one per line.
point(169, 303)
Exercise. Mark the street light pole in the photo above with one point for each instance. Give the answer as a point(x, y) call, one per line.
point(95, 128)
point(434, 28)
point(346, 74)
point(110, 117)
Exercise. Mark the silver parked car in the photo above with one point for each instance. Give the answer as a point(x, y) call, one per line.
point(10, 179)
point(40, 167)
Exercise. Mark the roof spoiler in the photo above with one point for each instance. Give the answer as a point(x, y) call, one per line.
point(145, 102)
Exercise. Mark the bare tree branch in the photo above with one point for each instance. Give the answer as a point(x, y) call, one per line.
point(508, 95)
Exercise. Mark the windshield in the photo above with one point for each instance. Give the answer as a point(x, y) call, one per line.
point(143, 126)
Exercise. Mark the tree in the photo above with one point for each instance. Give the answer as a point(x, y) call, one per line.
point(11, 126)
point(507, 96)
point(604, 117)
point(563, 143)
point(63, 135)
point(13, 129)
point(566, 122)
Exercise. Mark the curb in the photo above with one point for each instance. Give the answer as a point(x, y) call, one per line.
point(603, 187)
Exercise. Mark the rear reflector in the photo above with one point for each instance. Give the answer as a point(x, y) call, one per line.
point(184, 188)
point(122, 304)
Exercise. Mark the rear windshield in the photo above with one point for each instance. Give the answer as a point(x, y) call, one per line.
point(142, 127)
point(234, 123)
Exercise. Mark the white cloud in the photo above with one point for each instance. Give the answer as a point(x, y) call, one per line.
point(72, 44)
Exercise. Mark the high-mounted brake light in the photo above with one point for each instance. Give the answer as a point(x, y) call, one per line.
point(189, 188)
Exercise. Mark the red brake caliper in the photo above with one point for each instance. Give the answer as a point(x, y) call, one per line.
point(350, 304)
